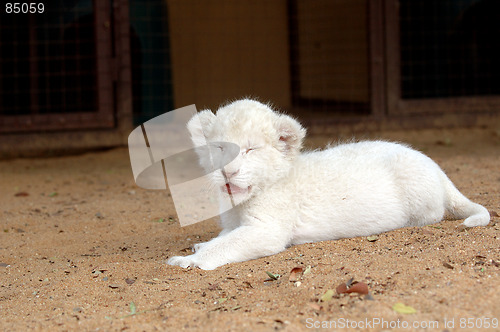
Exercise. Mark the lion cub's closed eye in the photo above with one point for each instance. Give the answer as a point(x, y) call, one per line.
point(285, 197)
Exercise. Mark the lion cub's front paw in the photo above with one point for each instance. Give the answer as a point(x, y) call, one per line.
point(191, 261)
point(182, 261)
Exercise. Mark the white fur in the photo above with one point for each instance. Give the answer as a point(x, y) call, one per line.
point(287, 198)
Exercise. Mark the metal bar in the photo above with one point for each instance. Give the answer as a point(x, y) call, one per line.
point(123, 67)
point(52, 122)
point(102, 26)
point(377, 80)
point(392, 52)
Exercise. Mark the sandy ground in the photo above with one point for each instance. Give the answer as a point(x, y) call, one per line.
point(81, 247)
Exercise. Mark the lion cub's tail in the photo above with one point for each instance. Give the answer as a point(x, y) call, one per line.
point(461, 207)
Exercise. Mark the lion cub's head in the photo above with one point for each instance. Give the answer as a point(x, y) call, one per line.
point(268, 143)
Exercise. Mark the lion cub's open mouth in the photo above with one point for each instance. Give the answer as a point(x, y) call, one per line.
point(232, 189)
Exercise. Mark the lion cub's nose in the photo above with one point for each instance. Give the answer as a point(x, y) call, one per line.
point(229, 175)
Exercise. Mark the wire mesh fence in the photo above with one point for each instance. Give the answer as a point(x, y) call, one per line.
point(48, 60)
point(449, 48)
point(329, 56)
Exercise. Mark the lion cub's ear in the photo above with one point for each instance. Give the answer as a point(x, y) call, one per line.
point(199, 125)
point(291, 134)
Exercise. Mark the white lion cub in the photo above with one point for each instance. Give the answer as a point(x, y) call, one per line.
point(286, 197)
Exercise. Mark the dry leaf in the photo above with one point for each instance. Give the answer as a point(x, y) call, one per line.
point(360, 288)
point(372, 238)
point(403, 309)
point(447, 265)
point(129, 281)
point(327, 296)
point(133, 309)
point(21, 194)
point(273, 276)
point(295, 274)
point(356, 287)
point(342, 288)
point(249, 285)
